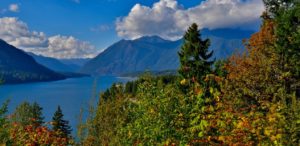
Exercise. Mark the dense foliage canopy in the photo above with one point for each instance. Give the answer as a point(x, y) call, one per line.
point(26, 127)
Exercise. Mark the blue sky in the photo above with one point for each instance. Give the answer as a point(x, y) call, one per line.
point(99, 23)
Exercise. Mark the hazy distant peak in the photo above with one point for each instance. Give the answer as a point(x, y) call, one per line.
point(227, 33)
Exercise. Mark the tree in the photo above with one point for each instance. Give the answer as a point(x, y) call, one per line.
point(40, 136)
point(27, 114)
point(256, 86)
point(27, 128)
point(21, 114)
point(194, 56)
point(4, 134)
point(36, 111)
point(288, 34)
point(219, 68)
point(61, 125)
point(286, 16)
point(275, 7)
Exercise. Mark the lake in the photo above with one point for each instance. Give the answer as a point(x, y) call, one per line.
point(71, 94)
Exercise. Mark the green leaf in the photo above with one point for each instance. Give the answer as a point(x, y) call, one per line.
point(200, 134)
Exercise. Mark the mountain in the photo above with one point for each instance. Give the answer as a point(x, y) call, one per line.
point(54, 64)
point(75, 61)
point(223, 48)
point(16, 66)
point(227, 33)
point(151, 53)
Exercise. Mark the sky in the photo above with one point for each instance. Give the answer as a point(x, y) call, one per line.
point(84, 28)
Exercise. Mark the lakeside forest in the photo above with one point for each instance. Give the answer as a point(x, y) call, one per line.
point(248, 99)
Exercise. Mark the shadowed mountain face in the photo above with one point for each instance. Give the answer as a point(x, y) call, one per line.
point(147, 53)
point(154, 53)
point(16, 66)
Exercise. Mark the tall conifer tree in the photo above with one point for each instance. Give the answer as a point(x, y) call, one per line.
point(36, 111)
point(59, 124)
point(194, 56)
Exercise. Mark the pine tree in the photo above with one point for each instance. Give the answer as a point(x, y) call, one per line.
point(194, 56)
point(59, 124)
point(36, 112)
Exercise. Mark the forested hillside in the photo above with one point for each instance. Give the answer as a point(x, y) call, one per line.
point(249, 99)
point(18, 67)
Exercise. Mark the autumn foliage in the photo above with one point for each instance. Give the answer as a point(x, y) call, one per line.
point(30, 136)
point(249, 99)
point(25, 127)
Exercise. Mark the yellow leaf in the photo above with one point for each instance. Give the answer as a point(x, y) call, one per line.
point(183, 82)
point(211, 90)
point(278, 136)
point(129, 134)
point(221, 138)
point(267, 132)
point(240, 125)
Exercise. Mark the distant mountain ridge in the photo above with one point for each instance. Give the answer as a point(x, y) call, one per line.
point(16, 66)
point(154, 53)
point(133, 55)
point(228, 33)
point(75, 62)
point(54, 64)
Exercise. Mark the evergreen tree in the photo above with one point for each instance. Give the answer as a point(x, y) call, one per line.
point(59, 124)
point(27, 114)
point(286, 16)
point(36, 112)
point(194, 56)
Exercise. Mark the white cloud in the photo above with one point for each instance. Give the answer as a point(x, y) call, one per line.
point(17, 33)
point(69, 47)
point(14, 7)
point(170, 20)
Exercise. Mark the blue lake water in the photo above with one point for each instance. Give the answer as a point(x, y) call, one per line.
point(71, 94)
